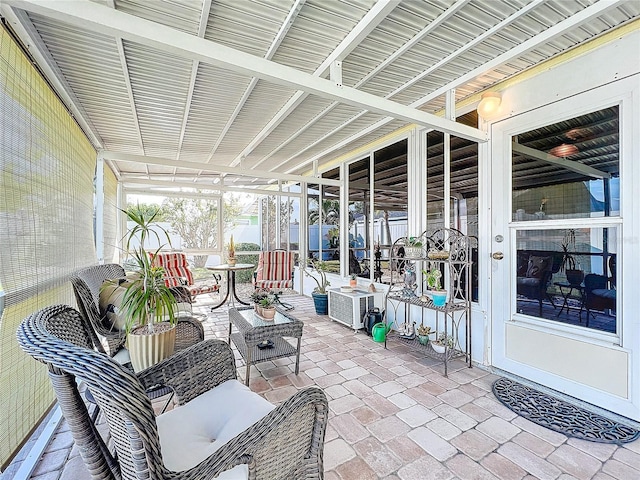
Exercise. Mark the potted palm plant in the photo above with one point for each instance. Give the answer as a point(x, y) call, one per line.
point(148, 305)
point(319, 294)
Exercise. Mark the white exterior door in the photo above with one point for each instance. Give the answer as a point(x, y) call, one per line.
point(558, 211)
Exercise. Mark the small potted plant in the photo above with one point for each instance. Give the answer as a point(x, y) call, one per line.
point(319, 294)
point(256, 297)
point(267, 308)
point(353, 280)
point(423, 334)
point(413, 247)
point(438, 295)
point(231, 253)
point(442, 343)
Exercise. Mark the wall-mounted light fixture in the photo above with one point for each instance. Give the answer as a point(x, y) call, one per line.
point(564, 150)
point(489, 104)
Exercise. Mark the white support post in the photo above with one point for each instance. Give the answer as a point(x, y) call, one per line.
point(450, 113)
point(99, 209)
point(344, 222)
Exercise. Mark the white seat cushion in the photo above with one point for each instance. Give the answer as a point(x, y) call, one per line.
point(191, 433)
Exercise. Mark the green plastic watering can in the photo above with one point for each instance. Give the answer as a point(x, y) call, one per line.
point(379, 332)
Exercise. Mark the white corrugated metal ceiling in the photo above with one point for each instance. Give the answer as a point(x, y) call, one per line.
point(165, 112)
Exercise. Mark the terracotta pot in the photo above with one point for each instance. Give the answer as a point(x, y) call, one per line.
point(147, 349)
point(268, 313)
point(353, 282)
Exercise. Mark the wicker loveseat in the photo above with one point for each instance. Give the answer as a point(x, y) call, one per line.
point(220, 430)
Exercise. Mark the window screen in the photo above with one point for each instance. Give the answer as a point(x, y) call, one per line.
point(46, 217)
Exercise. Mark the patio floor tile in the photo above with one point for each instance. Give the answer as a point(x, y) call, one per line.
point(393, 416)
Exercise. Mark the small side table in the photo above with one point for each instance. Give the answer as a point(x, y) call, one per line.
point(231, 281)
point(565, 290)
point(252, 330)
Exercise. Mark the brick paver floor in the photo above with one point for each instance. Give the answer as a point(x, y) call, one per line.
point(394, 416)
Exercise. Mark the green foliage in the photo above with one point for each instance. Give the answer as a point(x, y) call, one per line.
point(433, 278)
point(147, 299)
point(148, 209)
point(143, 218)
point(329, 213)
point(196, 221)
point(321, 267)
point(245, 276)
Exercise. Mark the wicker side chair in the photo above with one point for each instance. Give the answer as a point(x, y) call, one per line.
point(86, 287)
point(220, 430)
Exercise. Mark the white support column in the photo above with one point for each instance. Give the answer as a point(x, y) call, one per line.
point(99, 209)
point(415, 194)
point(303, 233)
point(276, 205)
point(450, 113)
point(344, 222)
point(121, 222)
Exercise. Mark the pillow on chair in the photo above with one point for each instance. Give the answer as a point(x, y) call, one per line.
point(537, 266)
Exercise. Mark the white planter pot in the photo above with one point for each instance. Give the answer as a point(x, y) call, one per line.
point(147, 349)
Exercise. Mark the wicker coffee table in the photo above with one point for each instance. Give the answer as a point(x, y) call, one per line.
point(253, 330)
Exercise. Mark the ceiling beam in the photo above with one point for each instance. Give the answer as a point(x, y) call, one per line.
point(364, 27)
point(88, 15)
point(19, 21)
point(129, 183)
point(563, 162)
point(166, 162)
point(558, 29)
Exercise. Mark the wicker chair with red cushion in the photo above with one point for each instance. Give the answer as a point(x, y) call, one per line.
point(177, 273)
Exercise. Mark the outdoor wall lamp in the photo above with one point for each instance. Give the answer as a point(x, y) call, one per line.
point(489, 104)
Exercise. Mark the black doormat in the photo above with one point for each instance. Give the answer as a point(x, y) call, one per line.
point(561, 416)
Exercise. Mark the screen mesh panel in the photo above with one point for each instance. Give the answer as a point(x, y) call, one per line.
point(110, 219)
point(46, 227)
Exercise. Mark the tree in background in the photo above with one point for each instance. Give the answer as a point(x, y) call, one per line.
point(329, 213)
point(196, 221)
point(269, 226)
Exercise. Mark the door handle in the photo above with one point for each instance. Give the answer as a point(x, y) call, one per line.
point(498, 256)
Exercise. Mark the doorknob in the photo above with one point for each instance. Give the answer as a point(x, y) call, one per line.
point(498, 256)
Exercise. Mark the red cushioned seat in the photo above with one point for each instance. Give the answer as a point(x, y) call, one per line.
point(275, 270)
point(177, 273)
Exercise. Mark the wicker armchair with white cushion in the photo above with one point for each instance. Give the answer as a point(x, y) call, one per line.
point(219, 430)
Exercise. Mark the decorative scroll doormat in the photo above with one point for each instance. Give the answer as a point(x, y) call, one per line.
point(561, 416)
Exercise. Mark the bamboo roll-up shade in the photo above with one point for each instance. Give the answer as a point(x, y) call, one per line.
point(47, 169)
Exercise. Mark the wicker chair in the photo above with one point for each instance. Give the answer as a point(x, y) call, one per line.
point(86, 286)
point(275, 273)
point(221, 427)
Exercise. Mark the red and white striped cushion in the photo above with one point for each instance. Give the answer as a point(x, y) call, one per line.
point(176, 268)
point(275, 270)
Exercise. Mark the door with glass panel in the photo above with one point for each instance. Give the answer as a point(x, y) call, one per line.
point(556, 254)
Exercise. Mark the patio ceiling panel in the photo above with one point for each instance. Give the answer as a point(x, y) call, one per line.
point(310, 108)
point(311, 141)
point(246, 26)
point(160, 85)
point(216, 93)
point(318, 30)
point(263, 103)
point(91, 67)
point(411, 51)
point(183, 15)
